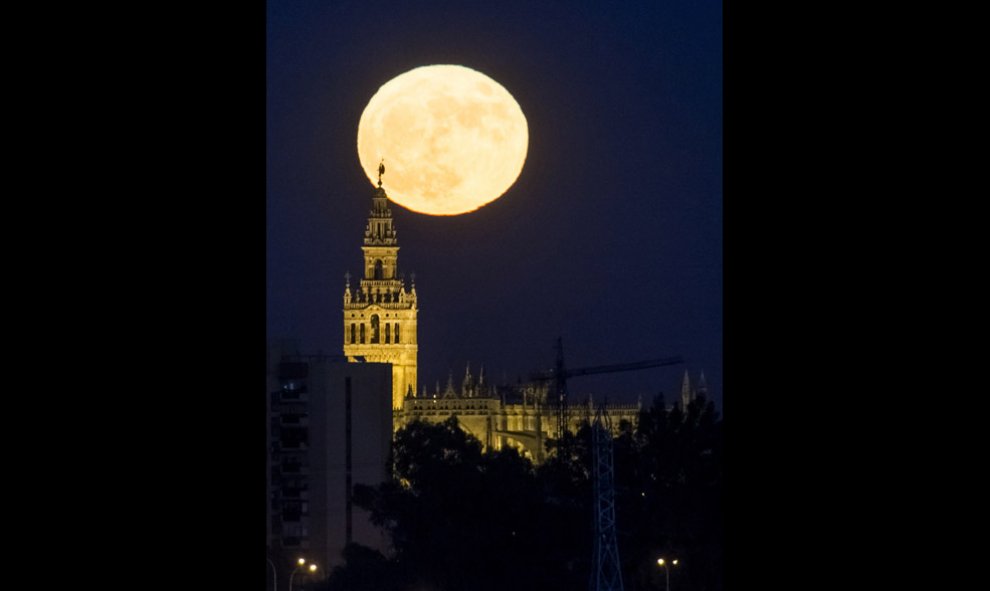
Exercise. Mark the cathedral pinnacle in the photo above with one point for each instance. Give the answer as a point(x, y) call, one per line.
point(686, 396)
point(449, 392)
point(381, 171)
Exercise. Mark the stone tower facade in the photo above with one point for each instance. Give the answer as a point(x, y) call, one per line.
point(380, 314)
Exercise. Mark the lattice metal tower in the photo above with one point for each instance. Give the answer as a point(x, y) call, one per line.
point(606, 574)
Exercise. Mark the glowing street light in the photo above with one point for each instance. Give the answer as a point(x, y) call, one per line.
point(666, 569)
point(300, 563)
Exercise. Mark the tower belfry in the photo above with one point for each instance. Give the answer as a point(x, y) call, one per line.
point(380, 314)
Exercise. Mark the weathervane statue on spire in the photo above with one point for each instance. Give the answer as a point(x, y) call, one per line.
point(381, 171)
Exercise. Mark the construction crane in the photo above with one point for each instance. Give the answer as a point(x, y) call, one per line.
point(560, 374)
point(606, 574)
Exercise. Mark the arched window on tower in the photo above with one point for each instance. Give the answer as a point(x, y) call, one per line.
point(388, 333)
point(396, 332)
point(374, 329)
point(378, 269)
point(353, 333)
point(362, 333)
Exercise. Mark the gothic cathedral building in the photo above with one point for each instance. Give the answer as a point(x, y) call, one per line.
point(380, 327)
point(380, 315)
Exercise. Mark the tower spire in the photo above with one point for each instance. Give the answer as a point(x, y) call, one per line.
point(685, 392)
point(449, 391)
point(380, 320)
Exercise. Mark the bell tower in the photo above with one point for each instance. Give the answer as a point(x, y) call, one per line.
point(380, 314)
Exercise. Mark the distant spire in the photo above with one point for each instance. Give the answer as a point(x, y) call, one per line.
point(685, 391)
point(424, 391)
point(381, 171)
point(481, 375)
point(702, 385)
point(466, 386)
point(449, 391)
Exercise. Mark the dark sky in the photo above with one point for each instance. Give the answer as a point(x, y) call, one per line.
point(611, 237)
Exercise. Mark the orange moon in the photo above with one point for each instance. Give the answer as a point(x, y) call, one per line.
point(452, 138)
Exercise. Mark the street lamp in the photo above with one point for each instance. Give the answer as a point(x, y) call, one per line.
point(666, 569)
point(300, 563)
point(274, 574)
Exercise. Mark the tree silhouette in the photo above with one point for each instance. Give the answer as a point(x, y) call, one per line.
point(459, 518)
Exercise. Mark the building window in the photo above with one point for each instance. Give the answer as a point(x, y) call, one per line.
point(388, 333)
point(374, 328)
point(362, 333)
point(353, 334)
point(378, 269)
point(396, 332)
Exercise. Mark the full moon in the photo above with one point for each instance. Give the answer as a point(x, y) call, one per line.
point(452, 139)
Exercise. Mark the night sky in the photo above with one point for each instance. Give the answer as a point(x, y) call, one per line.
point(611, 237)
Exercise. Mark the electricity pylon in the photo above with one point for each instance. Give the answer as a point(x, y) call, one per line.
point(605, 572)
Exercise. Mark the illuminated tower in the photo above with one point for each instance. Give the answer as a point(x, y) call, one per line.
point(380, 315)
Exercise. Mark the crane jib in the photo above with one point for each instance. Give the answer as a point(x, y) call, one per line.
point(583, 371)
